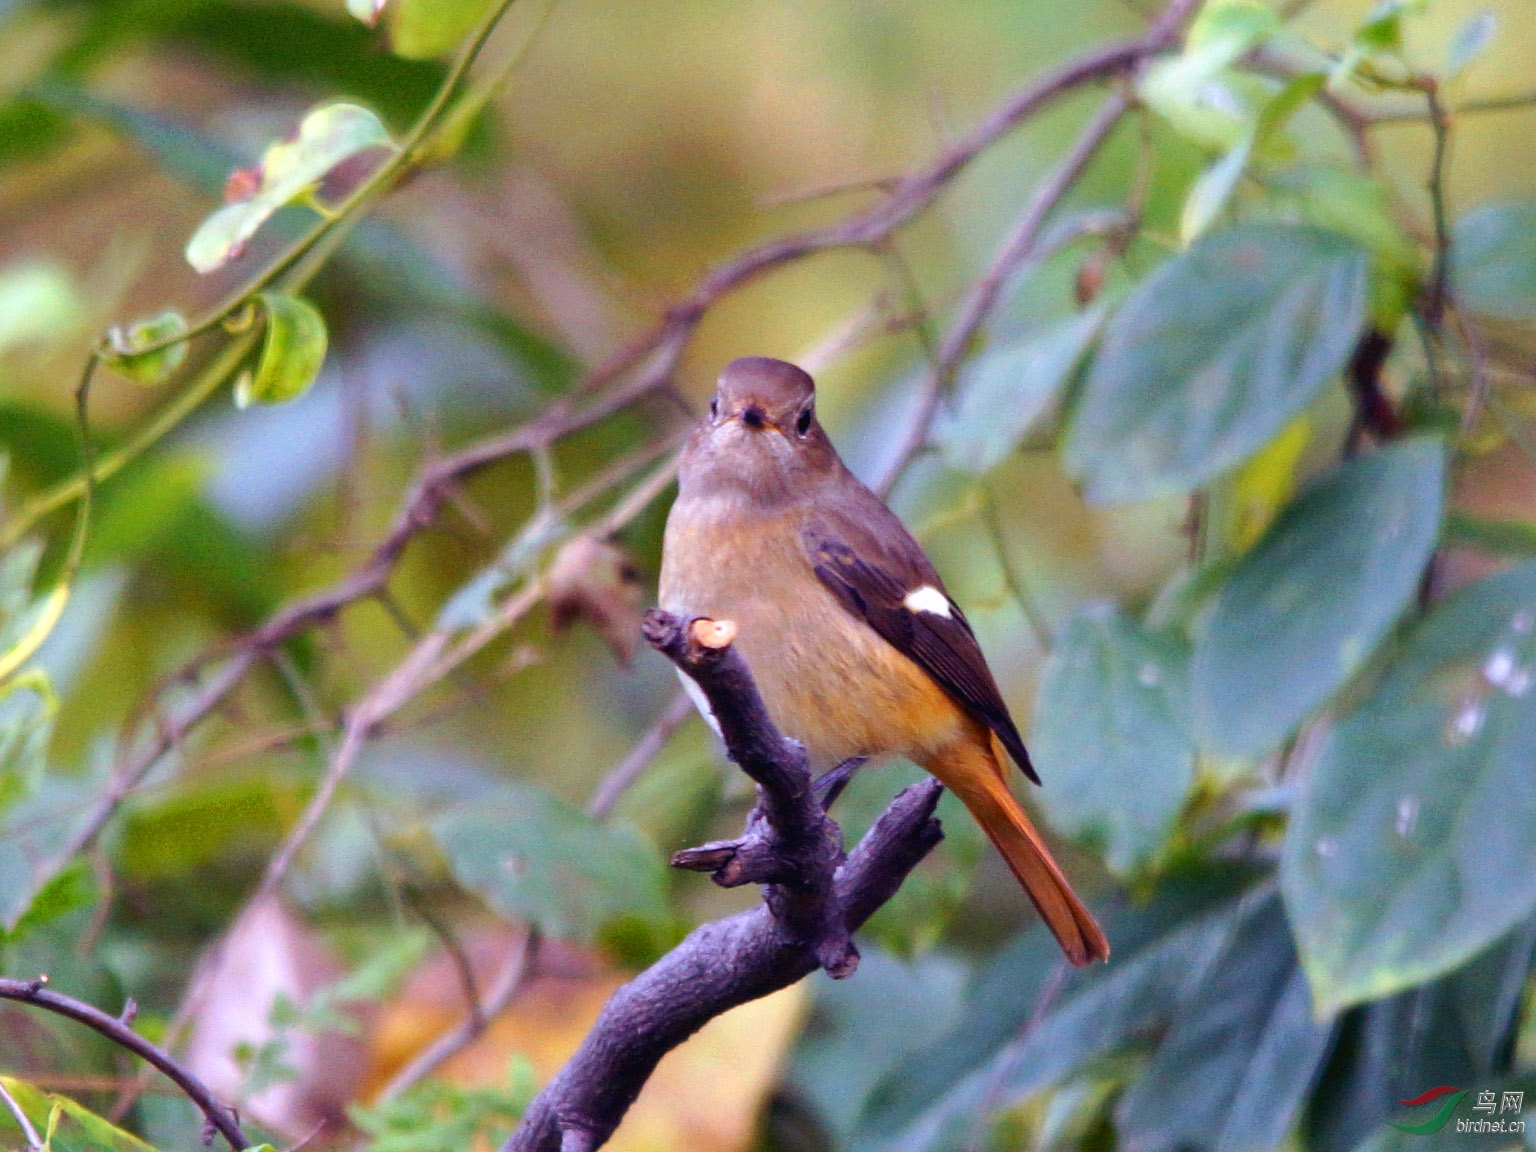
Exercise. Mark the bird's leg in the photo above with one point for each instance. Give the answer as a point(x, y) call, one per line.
point(830, 784)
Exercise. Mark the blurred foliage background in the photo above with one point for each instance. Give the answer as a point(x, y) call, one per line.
point(1265, 605)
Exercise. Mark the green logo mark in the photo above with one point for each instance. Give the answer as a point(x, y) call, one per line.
point(1437, 1121)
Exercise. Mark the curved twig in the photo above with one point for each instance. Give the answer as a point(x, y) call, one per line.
point(220, 1118)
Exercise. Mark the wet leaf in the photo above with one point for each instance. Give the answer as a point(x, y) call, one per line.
point(292, 351)
point(1412, 845)
point(1211, 356)
point(149, 368)
point(1302, 612)
point(290, 171)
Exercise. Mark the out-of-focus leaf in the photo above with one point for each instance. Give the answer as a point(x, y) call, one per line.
point(33, 829)
point(289, 171)
point(533, 857)
point(1265, 485)
point(1003, 392)
point(1413, 842)
point(149, 368)
point(860, 1028)
point(28, 130)
point(136, 512)
point(1470, 42)
point(1210, 194)
point(1241, 1055)
point(1513, 538)
point(73, 888)
point(70, 1127)
point(27, 708)
point(422, 29)
point(597, 581)
point(170, 835)
point(1195, 91)
point(1110, 737)
point(37, 301)
point(1488, 992)
point(1493, 260)
point(1211, 356)
point(1303, 611)
point(931, 1100)
point(368, 11)
point(292, 351)
point(1360, 206)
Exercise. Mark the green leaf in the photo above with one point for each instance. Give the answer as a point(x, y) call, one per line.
point(532, 856)
point(1110, 738)
point(932, 1099)
point(1513, 538)
point(1003, 392)
point(1302, 612)
point(1493, 260)
point(1413, 842)
point(1234, 1068)
point(69, 1127)
point(1211, 356)
point(37, 302)
point(149, 368)
point(290, 170)
point(422, 29)
point(1470, 42)
point(292, 352)
point(1196, 91)
point(1210, 193)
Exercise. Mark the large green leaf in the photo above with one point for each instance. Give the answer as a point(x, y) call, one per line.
point(532, 856)
point(1211, 355)
point(1413, 840)
point(1493, 260)
point(1110, 738)
point(1241, 1055)
point(932, 1099)
point(1003, 393)
point(1303, 611)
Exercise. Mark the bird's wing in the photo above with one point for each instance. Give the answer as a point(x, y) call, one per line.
point(867, 559)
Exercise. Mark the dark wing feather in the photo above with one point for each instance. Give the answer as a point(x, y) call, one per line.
point(870, 562)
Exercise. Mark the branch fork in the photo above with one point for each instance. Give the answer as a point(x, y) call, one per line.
point(816, 897)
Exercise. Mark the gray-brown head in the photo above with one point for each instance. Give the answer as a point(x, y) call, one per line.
point(761, 436)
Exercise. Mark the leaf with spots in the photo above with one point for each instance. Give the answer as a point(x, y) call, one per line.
point(533, 857)
point(1413, 842)
point(1303, 611)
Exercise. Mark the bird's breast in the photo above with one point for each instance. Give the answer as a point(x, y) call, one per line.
point(827, 678)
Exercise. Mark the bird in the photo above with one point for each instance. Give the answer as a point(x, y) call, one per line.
point(857, 648)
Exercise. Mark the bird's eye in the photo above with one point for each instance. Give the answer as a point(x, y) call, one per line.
point(803, 424)
point(714, 405)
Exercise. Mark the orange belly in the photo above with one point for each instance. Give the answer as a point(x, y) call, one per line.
point(827, 678)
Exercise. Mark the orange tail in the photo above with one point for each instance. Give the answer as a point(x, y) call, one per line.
point(973, 773)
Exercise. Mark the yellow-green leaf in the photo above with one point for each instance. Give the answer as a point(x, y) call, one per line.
point(149, 368)
point(291, 352)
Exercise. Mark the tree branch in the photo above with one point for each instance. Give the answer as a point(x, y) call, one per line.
point(35, 992)
point(816, 899)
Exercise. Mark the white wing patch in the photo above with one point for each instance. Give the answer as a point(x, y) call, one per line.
point(927, 599)
point(700, 701)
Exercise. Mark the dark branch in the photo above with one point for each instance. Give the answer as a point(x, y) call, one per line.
point(815, 900)
point(35, 992)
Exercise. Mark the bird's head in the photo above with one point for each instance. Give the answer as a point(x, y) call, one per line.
point(761, 436)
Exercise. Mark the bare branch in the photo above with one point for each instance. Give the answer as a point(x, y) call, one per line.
point(36, 993)
point(814, 902)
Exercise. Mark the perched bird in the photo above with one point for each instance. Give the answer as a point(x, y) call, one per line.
point(855, 645)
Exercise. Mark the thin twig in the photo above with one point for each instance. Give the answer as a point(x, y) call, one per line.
point(623, 774)
point(36, 993)
point(28, 1133)
point(450, 1044)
